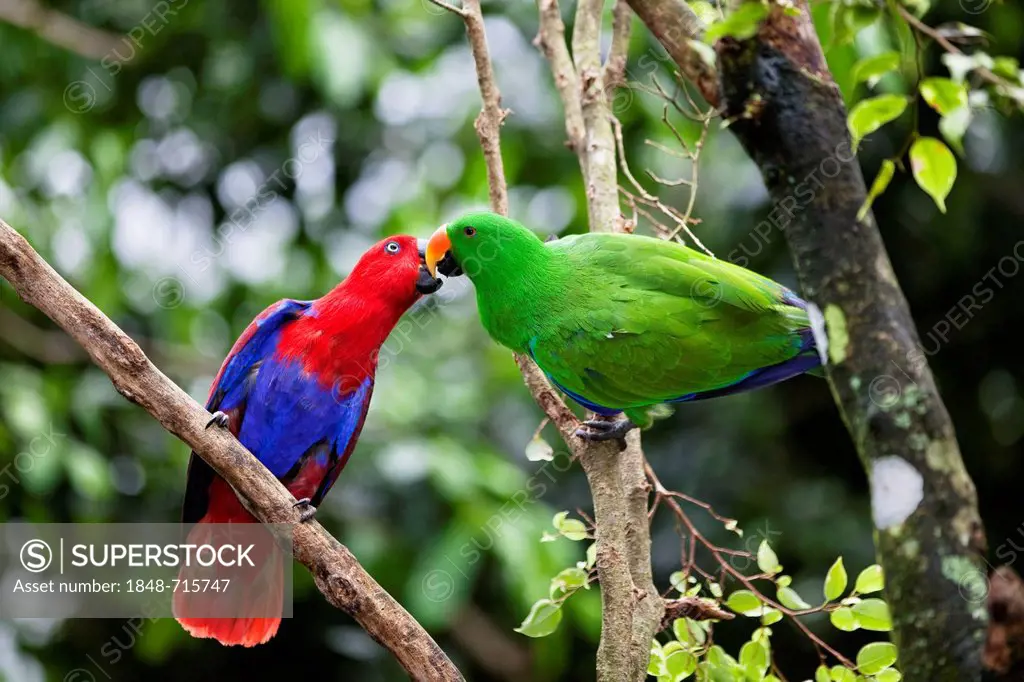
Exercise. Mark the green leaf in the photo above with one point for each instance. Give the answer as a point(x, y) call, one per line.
point(770, 616)
point(1007, 67)
point(716, 656)
point(841, 674)
point(844, 619)
point(876, 657)
point(682, 631)
point(790, 599)
point(821, 674)
point(669, 647)
point(656, 664)
point(871, 114)
point(871, 69)
point(873, 614)
point(543, 619)
point(591, 555)
point(744, 602)
point(882, 180)
point(767, 560)
point(869, 580)
point(689, 632)
point(934, 168)
point(889, 675)
point(848, 20)
point(705, 11)
point(680, 664)
point(569, 580)
point(570, 528)
point(539, 450)
point(740, 24)
point(943, 95)
point(836, 578)
point(754, 658)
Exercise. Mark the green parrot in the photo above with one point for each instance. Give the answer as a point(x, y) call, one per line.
point(622, 322)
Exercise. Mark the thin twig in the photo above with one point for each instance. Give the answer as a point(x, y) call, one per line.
point(948, 46)
point(450, 8)
point(747, 581)
point(652, 200)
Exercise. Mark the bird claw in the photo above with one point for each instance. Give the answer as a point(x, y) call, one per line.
point(308, 511)
point(602, 430)
point(219, 418)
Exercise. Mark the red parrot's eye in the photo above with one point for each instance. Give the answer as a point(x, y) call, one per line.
point(469, 231)
point(392, 247)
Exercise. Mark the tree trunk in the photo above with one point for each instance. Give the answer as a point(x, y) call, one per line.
point(789, 116)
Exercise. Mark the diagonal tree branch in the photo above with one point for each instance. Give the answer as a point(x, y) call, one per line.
point(58, 28)
point(674, 24)
point(337, 573)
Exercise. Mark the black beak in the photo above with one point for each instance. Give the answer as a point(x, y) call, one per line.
point(448, 266)
point(425, 282)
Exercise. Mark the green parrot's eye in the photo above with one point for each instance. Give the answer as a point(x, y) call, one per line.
point(469, 231)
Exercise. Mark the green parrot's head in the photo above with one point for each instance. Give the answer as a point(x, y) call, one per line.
point(477, 243)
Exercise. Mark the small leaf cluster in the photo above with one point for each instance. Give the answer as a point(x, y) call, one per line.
point(998, 83)
point(693, 653)
point(546, 614)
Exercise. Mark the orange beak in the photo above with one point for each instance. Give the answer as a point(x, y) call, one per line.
point(437, 247)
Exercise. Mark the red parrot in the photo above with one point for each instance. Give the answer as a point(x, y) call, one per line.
point(294, 390)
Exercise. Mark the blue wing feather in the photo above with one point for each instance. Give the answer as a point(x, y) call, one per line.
point(256, 343)
point(300, 429)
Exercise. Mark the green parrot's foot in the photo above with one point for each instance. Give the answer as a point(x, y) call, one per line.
point(308, 510)
point(219, 418)
point(602, 429)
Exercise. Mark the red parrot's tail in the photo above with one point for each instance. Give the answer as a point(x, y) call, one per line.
point(254, 595)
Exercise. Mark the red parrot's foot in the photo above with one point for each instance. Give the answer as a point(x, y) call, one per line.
point(219, 418)
point(602, 429)
point(308, 510)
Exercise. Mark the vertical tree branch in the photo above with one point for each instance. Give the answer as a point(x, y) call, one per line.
point(491, 116)
point(622, 28)
point(787, 112)
point(631, 607)
point(551, 41)
point(597, 158)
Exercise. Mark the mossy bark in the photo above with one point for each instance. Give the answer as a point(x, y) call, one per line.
point(786, 110)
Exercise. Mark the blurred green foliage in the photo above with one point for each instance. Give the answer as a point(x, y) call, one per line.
point(226, 155)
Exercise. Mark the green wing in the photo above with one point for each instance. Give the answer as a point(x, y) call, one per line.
point(654, 321)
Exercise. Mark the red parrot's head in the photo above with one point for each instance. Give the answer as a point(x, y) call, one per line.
point(394, 269)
